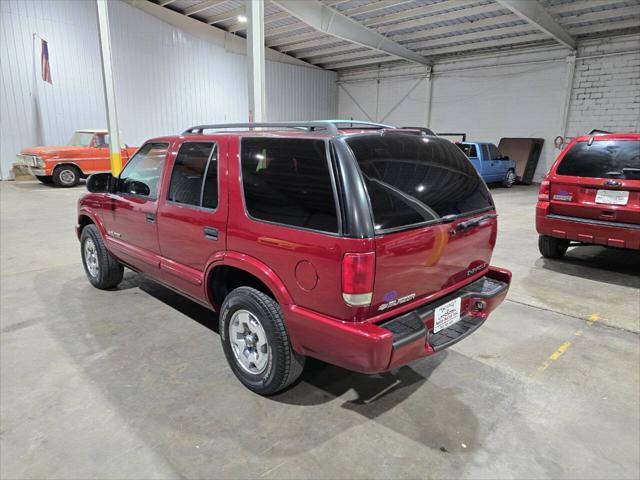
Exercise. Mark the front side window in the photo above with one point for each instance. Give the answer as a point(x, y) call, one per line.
point(469, 149)
point(413, 180)
point(101, 140)
point(287, 181)
point(141, 174)
point(194, 180)
point(602, 159)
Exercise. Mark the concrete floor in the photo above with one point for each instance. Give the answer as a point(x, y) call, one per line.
point(133, 383)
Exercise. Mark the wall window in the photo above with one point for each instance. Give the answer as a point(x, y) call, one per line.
point(287, 181)
point(194, 179)
point(141, 174)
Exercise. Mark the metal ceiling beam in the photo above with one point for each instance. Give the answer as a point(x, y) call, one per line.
point(440, 17)
point(200, 7)
point(473, 36)
point(328, 52)
point(223, 17)
point(501, 42)
point(414, 12)
point(238, 27)
point(359, 63)
point(603, 27)
point(320, 42)
point(579, 5)
point(164, 3)
point(278, 42)
point(332, 22)
point(292, 27)
point(534, 13)
point(632, 11)
point(420, 36)
point(373, 7)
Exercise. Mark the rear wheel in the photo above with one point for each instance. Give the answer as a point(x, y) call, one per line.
point(255, 342)
point(46, 179)
point(66, 176)
point(551, 247)
point(102, 269)
point(509, 179)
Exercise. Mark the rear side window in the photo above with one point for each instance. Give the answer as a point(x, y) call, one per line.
point(602, 159)
point(414, 180)
point(194, 179)
point(494, 153)
point(287, 181)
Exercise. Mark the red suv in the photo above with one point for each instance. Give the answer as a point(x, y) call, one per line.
point(591, 195)
point(364, 247)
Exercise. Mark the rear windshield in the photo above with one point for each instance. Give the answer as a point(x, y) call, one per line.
point(413, 180)
point(602, 159)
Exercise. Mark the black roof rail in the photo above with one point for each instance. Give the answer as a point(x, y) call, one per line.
point(595, 131)
point(326, 126)
point(423, 130)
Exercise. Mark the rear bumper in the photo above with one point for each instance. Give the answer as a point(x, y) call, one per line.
point(370, 348)
point(584, 230)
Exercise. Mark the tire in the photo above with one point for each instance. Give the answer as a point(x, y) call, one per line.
point(271, 365)
point(102, 269)
point(46, 179)
point(509, 179)
point(66, 176)
point(551, 247)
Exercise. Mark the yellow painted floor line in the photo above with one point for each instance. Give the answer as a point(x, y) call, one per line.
point(591, 319)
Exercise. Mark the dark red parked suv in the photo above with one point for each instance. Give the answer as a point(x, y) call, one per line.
point(364, 247)
point(591, 195)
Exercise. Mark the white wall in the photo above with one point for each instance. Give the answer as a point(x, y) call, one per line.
point(167, 79)
point(488, 99)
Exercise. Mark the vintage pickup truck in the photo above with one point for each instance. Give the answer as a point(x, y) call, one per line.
point(492, 165)
point(87, 152)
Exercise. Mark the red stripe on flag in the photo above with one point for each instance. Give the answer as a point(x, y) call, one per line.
point(44, 63)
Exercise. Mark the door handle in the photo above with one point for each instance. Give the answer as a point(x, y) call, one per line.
point(210, 233)
point(151, 217)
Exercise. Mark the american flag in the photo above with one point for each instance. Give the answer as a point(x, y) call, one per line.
point(44, 62)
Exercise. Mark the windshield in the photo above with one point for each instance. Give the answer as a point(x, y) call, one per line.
point(602, 159)
point(80, 139)
point(412, 180)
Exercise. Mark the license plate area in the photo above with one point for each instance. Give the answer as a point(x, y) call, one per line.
point(612, 197)
point(446, 315)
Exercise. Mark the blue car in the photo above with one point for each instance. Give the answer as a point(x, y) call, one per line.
point(492, 165)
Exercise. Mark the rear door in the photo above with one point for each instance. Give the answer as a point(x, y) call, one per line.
point(192, 216)
point(498, 163)
point(420, 190)
point(600, 181)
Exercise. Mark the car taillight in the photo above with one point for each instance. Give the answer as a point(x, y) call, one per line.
point(358, 271)
point(545, 188)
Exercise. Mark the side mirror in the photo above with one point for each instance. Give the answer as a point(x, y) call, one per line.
point(99, 183)
point(136, 187)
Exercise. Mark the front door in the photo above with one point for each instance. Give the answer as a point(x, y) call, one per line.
point(192, 217)
point(132, 231)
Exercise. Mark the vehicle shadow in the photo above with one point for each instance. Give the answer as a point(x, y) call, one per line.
point(611, 265)
point(168, 380)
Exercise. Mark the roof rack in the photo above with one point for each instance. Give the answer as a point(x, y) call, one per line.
point(328, 126)
point(311, 126)
point(595, 131)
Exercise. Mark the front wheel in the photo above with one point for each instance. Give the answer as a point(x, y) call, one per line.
point(255, 342)
point(66, 176)
point(509, 179)
point(551, 247)
point(102, 269)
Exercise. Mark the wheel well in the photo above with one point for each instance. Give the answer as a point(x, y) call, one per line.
point(69, 165)
point(83, 221)
point(224, 279)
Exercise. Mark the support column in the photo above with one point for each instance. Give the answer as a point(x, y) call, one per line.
point(255, 56)
point(109, 89)
point(568, 91)
point(429, 96)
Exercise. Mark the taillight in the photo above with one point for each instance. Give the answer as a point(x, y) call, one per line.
point(358, 271)
point(545, 188)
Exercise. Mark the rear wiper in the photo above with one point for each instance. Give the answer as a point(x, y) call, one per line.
point(475, 221)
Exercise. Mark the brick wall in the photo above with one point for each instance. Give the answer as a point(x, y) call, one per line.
point(606, 90)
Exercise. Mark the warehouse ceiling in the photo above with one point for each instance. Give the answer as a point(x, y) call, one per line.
point(346, 35)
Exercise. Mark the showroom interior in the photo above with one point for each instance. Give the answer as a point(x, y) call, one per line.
point(133, 379)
